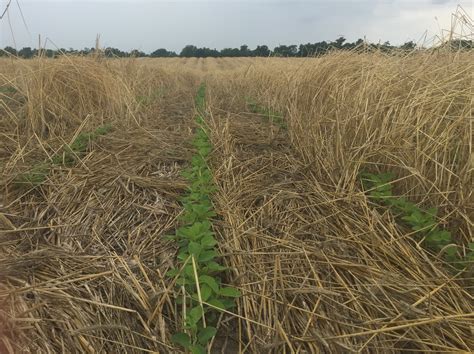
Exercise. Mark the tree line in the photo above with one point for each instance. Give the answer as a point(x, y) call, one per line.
point(302, 50)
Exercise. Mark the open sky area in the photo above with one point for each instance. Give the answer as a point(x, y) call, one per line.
point(147, 25)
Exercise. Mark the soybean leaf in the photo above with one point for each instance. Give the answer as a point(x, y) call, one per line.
point(228, 303)
point(205, 334)
point(183, 281)
point(197, 349)
point(189, 270)
point(206, 279)
point(170, 237)
point(181, 339)
point(172, 272)
point(229, 292)
point(217, 303)
point(208, 241)
point(206, 292)
point(215, 267)
point(183, 255)
point(206, 256)
point(195, 315)
point(194, 248)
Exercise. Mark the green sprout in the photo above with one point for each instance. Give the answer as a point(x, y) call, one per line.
point(200, 271)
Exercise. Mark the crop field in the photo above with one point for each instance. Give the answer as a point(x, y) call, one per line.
point(237, 205)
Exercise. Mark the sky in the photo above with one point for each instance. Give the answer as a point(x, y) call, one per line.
point(151, 24)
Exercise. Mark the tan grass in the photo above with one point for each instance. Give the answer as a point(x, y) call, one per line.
point(321, 268)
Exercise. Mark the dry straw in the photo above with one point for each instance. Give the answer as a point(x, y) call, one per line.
point(324, 269)
point(321, 268)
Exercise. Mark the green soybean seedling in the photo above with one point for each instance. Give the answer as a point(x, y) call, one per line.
point(267, 113)
point(67, 157)
point(422, 222)
point(199, 274)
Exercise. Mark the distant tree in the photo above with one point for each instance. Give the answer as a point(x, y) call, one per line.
point(303, 50)
point(162, 53)
point(134, 53)
point(261, 51)
point(244, 51)
point(206, 52)
point(286, 51)
point(137, 53)
point(9, 51)
point(408, 46)
point(26, 53)
point(359, 45)
point(86, 51)
point(115, 53)
point(311, 49)
point(338, 43)
point(188, 51)
point(230, 52)
point(49, 53)
point(386, 47)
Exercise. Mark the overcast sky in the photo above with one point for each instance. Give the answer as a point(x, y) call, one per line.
point(151, 24)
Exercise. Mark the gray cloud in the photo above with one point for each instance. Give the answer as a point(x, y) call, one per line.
point(147, 24)
point(439, 2)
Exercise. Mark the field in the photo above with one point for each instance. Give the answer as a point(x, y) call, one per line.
point(340, 191)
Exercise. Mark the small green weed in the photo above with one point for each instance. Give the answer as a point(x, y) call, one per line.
point(8, 89)
point(79, 146)
point(422, 222)
point(199, 271)
point(201, 100)
point(35, 176)
point(267, 113)
point(39, 172)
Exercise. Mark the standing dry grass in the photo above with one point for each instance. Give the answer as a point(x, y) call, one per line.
point(323, 268)
point(82, 256)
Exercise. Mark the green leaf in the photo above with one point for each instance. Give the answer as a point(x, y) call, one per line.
point(195, 315)
point(217, 303)
point(197, 349)
point(172, 272)
point(228, 303)
point(205, 334)
point(204, 151)
point(206, 256)
point(206, 292)
point(189, 270)
point(170, 237)
point(183, 255)
point(440, 237)
point(451, 253)
point(432, 211)
point(183, 281)
point(211, 316)
point(181, 339)
point(215, 267)
point(230, 292)
point(194, 248)
point(191, 326)
point(206, 279)
point(182, 244)
point(208, 241)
